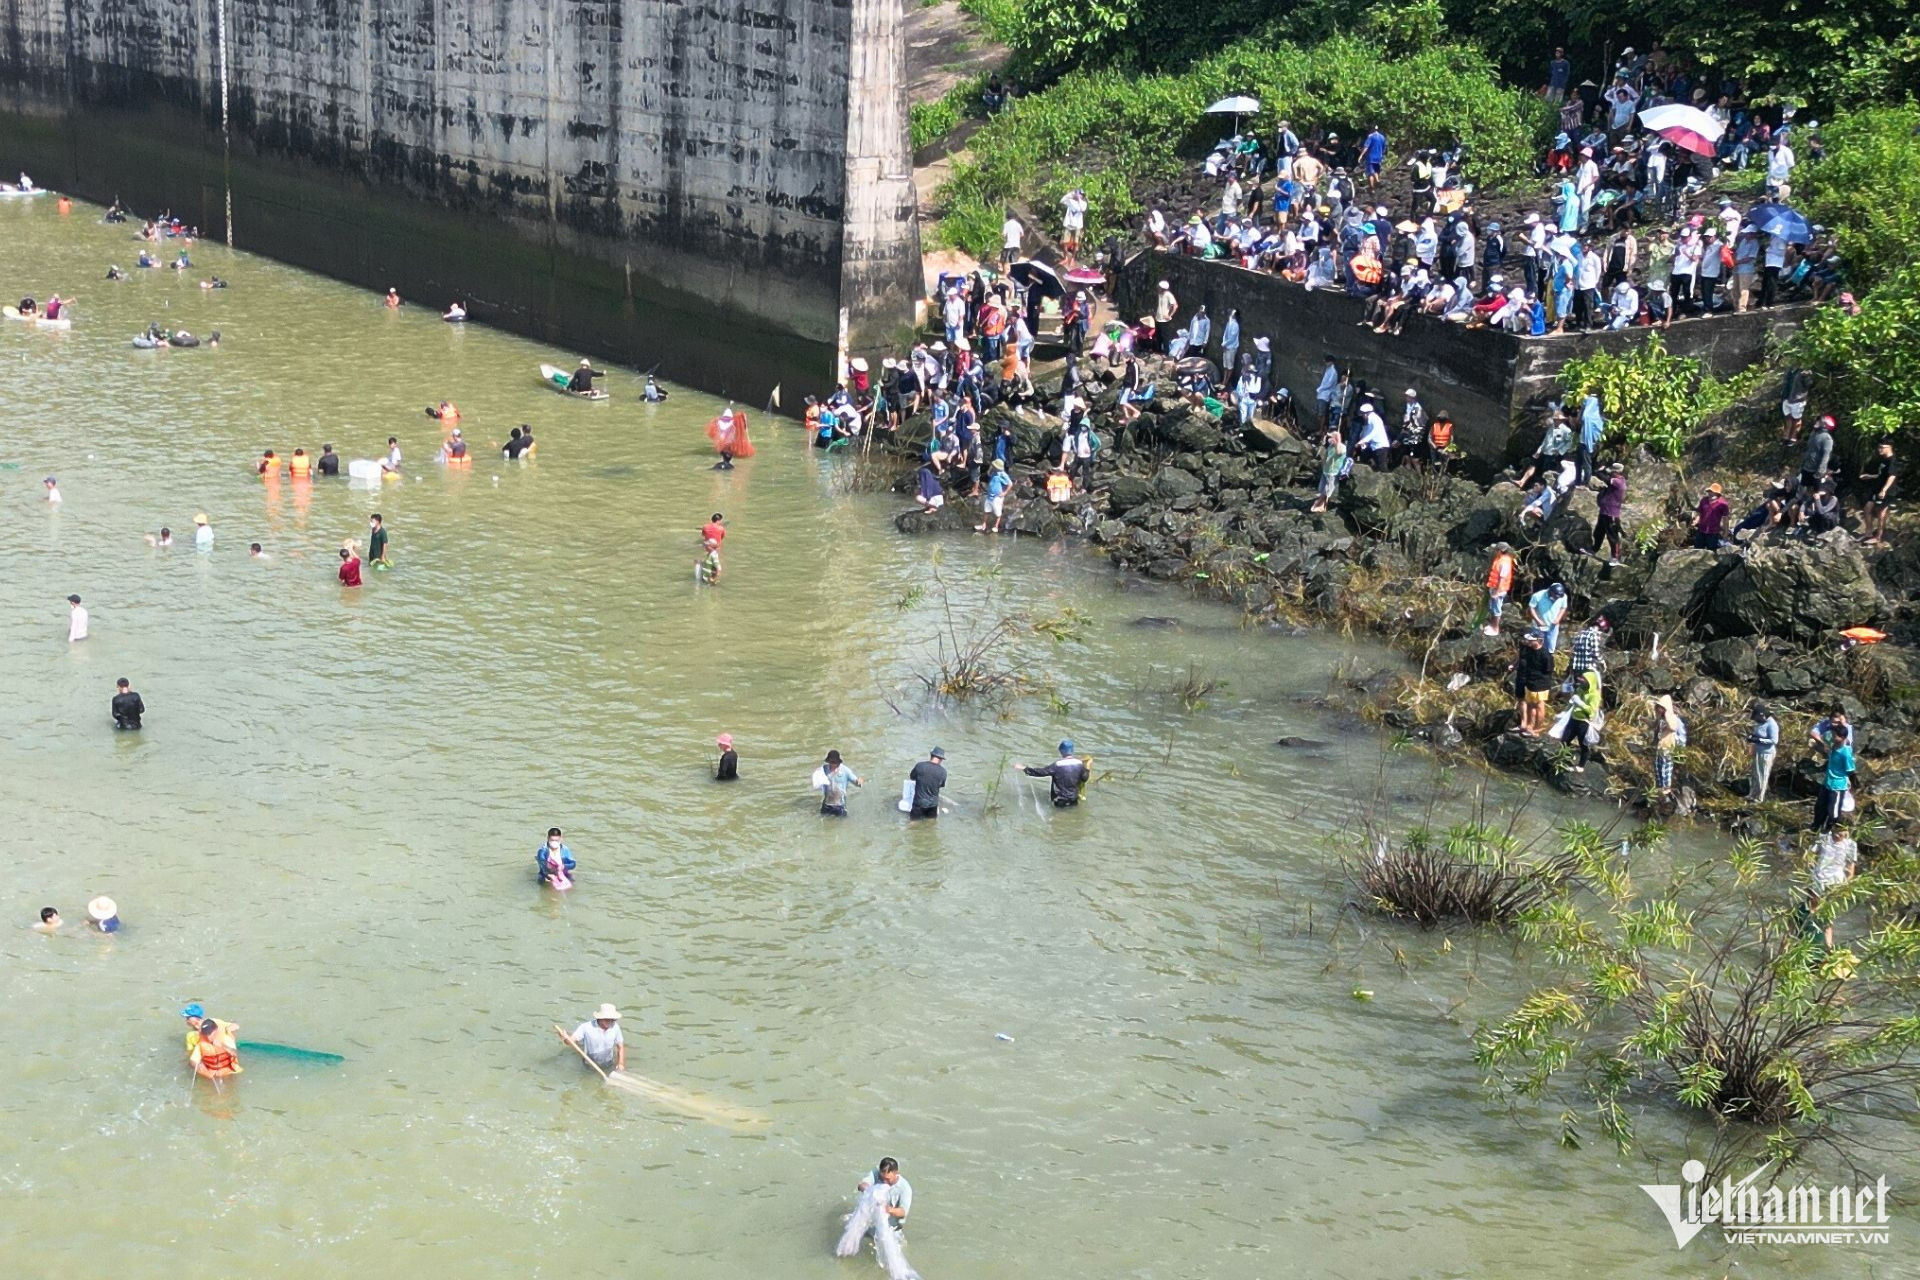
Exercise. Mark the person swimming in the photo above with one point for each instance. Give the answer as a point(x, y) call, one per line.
point(164, 538)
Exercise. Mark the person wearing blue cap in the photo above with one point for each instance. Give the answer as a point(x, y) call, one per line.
point(1068, 776)
point(196, 1016)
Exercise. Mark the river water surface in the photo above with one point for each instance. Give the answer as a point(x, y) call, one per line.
point(325, 833)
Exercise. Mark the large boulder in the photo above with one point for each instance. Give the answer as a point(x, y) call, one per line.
point(1732, 660)
point(1171, 483)
point(1124, 493)
point(1797, 590)
point(1677, 590)
point(1370, 498)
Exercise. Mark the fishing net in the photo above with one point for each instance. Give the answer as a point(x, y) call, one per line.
point(729, 434)
point(869, 1217)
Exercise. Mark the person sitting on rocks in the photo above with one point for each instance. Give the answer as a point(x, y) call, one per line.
point(1554, 445)
point(1818, 511)
point(1545, 497)
point(1777, 509)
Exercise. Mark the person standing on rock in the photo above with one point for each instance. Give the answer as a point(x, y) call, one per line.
point(1835, 782)
point(1592, 428)
point(1764, 737)
point(1669, 734)
point(1613, 503)
point(1372, 439)
point(1546, 609)
point(1793, 401)
point(1817, 458)
point(1324, 393)
point(1230, 341)
point(1166, 308)
point(1532, 682)
point(1583, 718)
point(1589, 647)
point(1886, 480)
point(1709, 518)
point(1248, 390)
point(1499, 585)
point(1413, 428)
point(1333, 464)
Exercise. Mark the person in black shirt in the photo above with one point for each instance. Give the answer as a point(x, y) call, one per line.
point(928, 777)
point(728, 768)
point(328, 463)
point(1532, 682)
point(519, 440)
point(1068, 775)
point(127, 707)
point(1886, 480)
point(581, 383)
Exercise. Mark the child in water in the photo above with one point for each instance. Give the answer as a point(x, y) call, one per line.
point(555, 861)
point(709, 570)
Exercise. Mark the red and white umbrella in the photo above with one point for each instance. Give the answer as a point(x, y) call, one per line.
point(1688, 128)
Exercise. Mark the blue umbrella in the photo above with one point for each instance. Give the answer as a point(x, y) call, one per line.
point(1778, 220)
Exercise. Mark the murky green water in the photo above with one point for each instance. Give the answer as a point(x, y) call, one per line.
point(326, 830)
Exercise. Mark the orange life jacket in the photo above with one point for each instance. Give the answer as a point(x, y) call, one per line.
point(1059, 487)
point(1366, 268)
point(1441, 432)
point(300, 465)
point(1500, 576)
point(993, 322)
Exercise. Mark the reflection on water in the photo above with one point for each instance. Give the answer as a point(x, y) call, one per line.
point(326, 834)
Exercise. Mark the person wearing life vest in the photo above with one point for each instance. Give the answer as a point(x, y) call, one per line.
point(454, 451)
point(1059, 486)
point(219, 1035)
point(1499, 585)
point(300, 466)
point(1439, 438)
point(269, 465)
point(1366, 268)
point(214, 1053)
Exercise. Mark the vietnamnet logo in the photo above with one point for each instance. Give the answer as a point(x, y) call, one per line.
point(1746, 1214)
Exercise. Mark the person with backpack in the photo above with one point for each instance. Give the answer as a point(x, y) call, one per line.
point(1669, 735)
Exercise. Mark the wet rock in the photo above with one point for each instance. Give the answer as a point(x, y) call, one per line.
point(1171, 624)
point(1297, 743)
point(1799, 590)
point(1125, 493)
point(1677, 590)
point(1369, 497)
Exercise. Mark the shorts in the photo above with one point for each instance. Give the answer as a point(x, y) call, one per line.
point(994, 505)
point(834, 810)
point(936, 502)
point(1373, 168)
point(1536, 697)
point(1795, 409)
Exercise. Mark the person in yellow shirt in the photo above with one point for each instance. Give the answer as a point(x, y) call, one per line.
point(221, 1039)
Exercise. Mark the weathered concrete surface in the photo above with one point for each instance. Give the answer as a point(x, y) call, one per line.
point(1491, 381)
point(749, 162)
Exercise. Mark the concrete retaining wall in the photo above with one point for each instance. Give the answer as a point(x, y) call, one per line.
point(1492, 382)
point(714, 172)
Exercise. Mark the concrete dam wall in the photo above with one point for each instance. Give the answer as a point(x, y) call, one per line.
point(721, 187)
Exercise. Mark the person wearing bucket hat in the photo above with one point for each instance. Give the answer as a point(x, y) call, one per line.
point(202, 532)
point(1067, 776)
point(993, 502)
point(599, 1038)
point(104, 914)
point(727, 768)
point(1709, 518)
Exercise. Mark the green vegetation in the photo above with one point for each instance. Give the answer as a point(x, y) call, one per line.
point(1114, 133)
point(1868, 191)
point(931, 121)
point(1649, 396)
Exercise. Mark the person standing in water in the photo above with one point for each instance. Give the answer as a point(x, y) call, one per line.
point(555, 860)
point(928, 777)
point(349, 568)
point(709, 569)
point(76, 620)
point(715, 529)
point(600, 1039)
point(831, 780)
point(390, 464)
point(727, 768)
point(53, 491)
point(377, 539)
point(49, 920)
point(328, 463)
point(393, 299)
point(899, 1191)
point(1068, 775)
point(127, 706)
point(202, 533)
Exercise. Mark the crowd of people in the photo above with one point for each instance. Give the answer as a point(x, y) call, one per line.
point(1628, 234)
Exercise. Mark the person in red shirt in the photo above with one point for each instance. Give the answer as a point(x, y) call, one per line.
point(716, 529)
point(349, 568)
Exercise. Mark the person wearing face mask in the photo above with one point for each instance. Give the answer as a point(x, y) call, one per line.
point(555, 861)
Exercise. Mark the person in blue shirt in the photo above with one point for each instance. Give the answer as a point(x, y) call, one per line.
point(1545, 609)
point(1592, 428)
point(1838, 778)
point(555, 861)
point(993, 504)
point(1373, 154)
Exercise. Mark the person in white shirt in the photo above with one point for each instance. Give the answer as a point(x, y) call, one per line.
point(1621, 99)
point(53, 490)
point(1626, 305)
point(1780, 164)
point(1073, 219)
point(1157, 228)
point(1774, 262)
point(76, 620)
point(1011, 233)
point(202, 532)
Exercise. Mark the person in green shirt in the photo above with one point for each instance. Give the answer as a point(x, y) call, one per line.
point(376, 541)
point(1333, 458)
point(1583, 717)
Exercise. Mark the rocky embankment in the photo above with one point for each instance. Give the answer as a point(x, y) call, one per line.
point(1404, 554)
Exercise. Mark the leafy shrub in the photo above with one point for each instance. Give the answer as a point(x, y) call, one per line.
point(1649, 396)
point(928, 121)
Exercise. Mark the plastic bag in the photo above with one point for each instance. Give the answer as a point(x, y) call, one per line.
point(1846, 800)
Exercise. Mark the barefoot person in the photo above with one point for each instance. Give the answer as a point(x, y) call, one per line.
point(600, 1039)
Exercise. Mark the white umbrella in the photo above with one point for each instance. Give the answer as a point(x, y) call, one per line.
point(1686, 127)
point(1236, 106)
